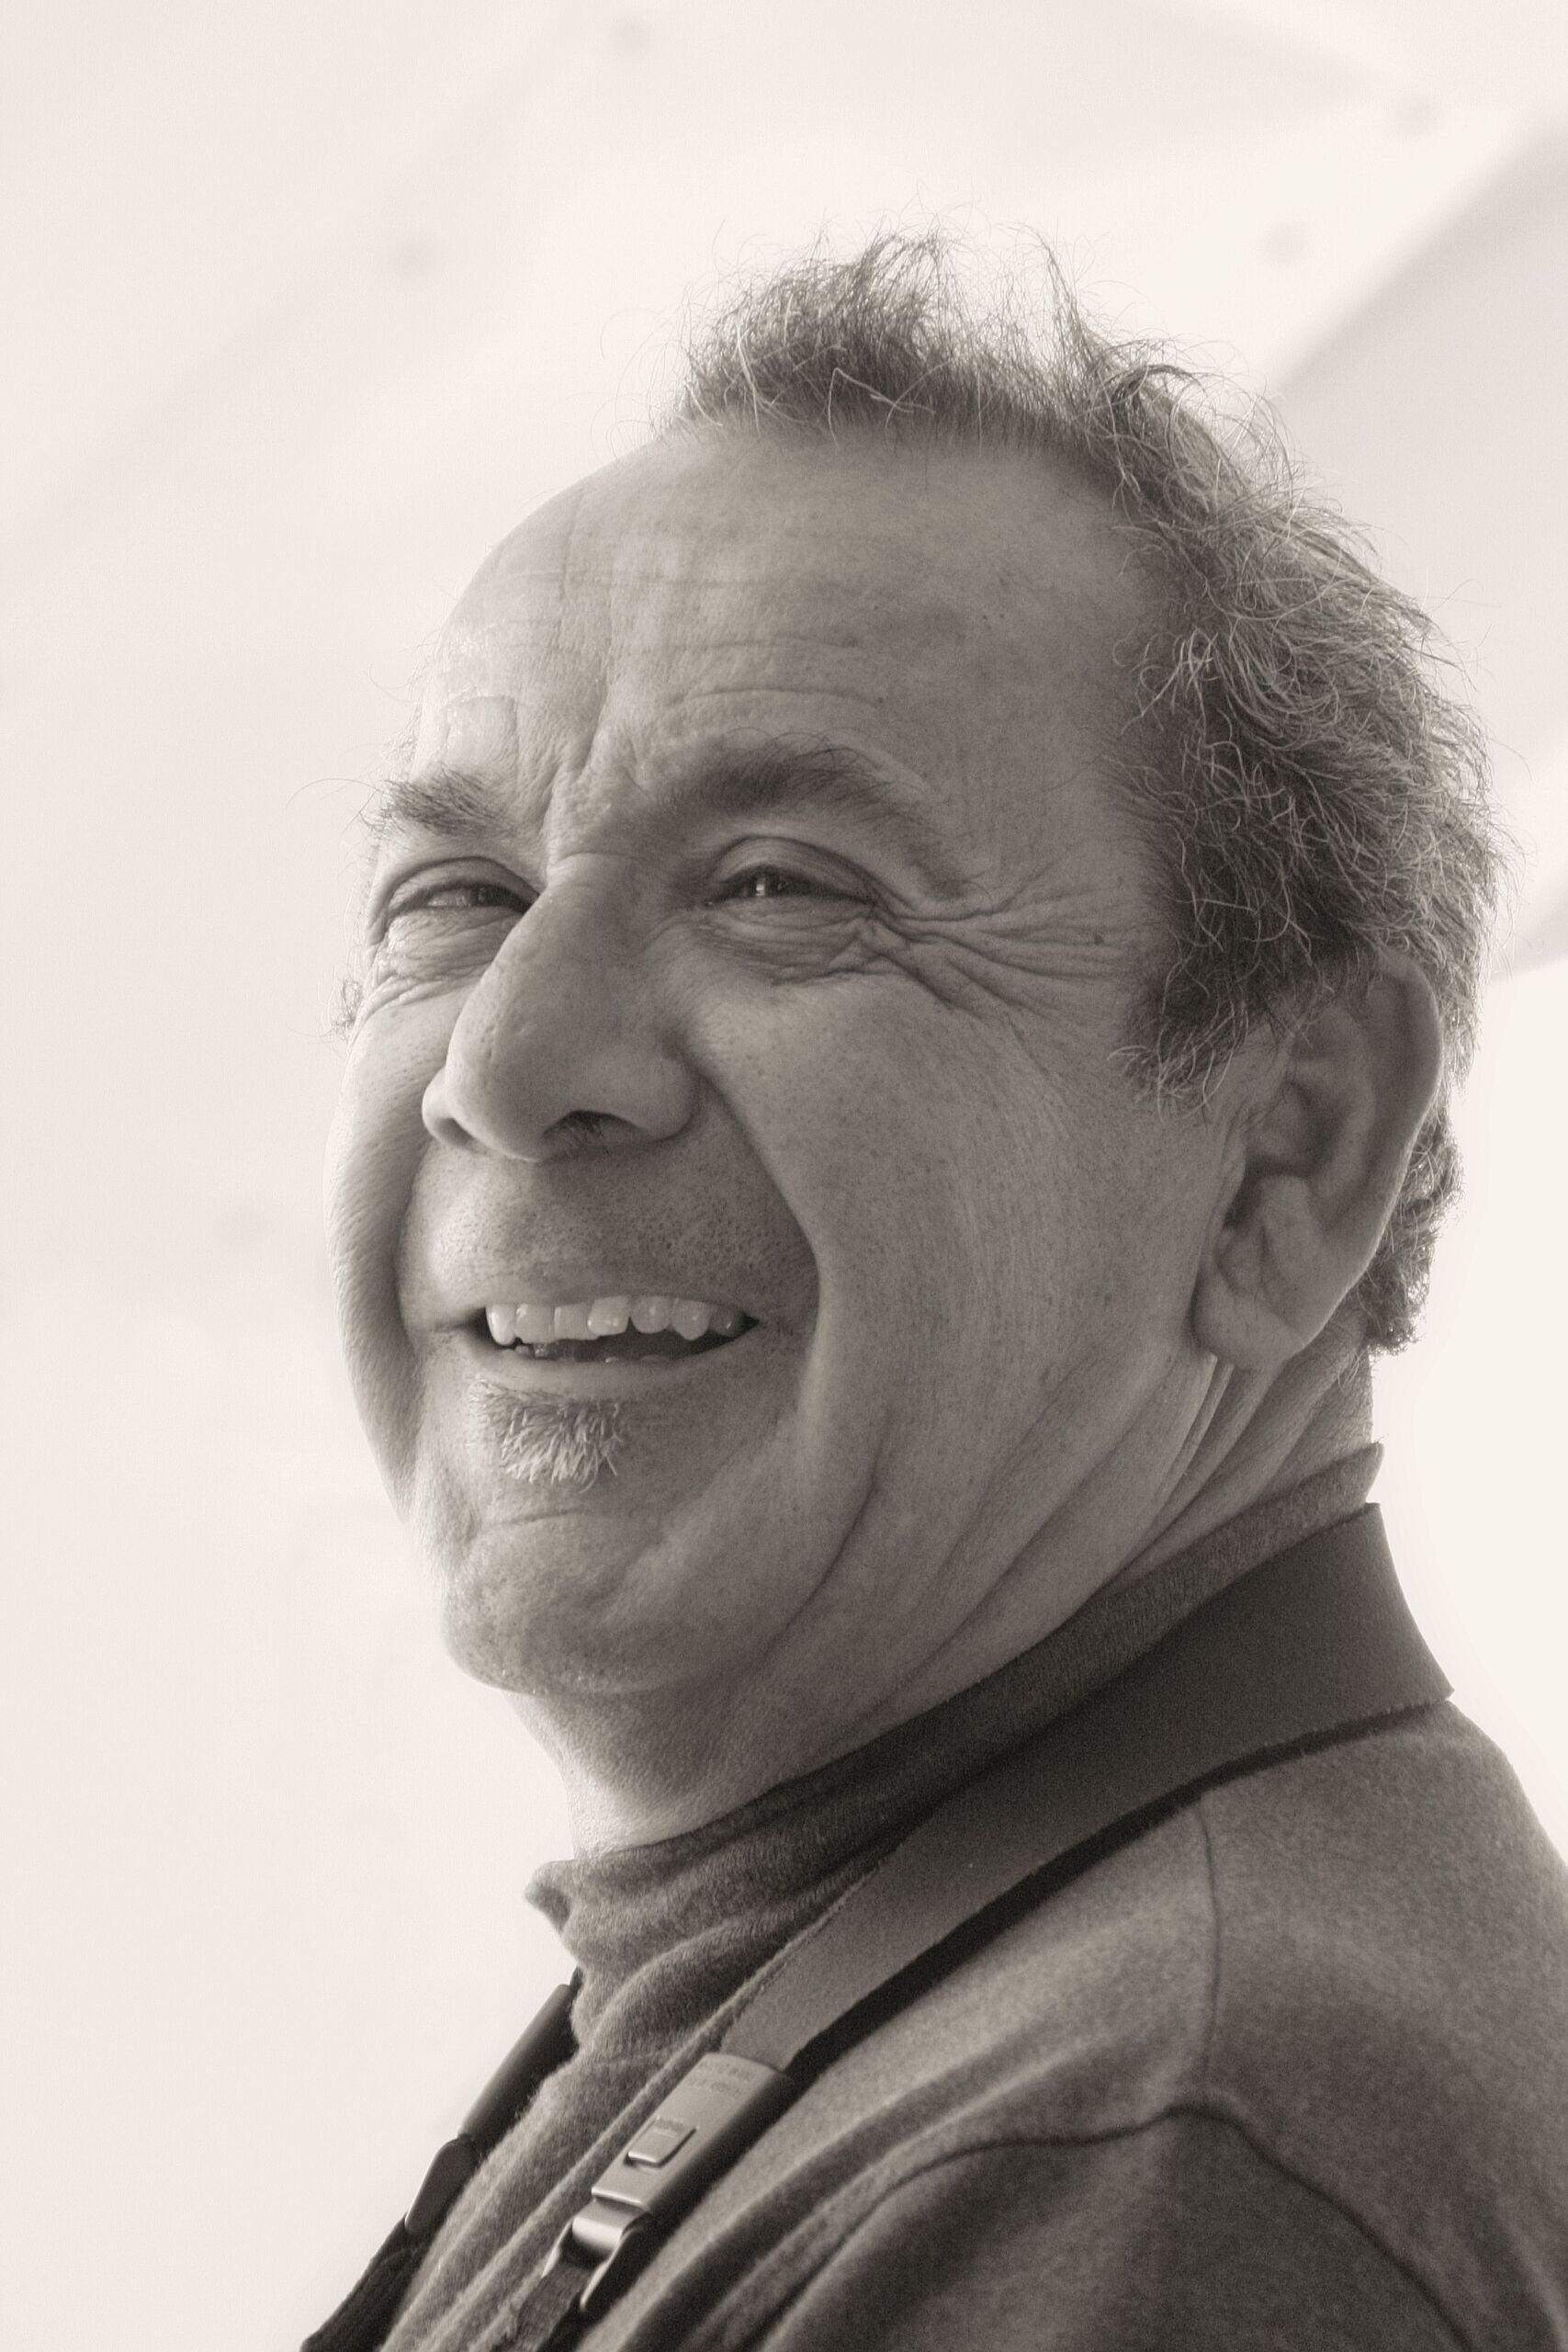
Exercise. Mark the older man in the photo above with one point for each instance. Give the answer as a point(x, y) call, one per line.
point(900, 1073)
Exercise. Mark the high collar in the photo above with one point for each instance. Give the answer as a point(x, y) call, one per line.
point(665, 1932)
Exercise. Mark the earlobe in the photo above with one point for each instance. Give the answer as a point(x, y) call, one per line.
point(1323, 1145)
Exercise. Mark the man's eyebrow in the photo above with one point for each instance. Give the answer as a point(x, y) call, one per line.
point(448, 803)
point(744, 779)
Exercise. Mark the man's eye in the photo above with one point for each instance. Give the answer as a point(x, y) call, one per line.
point(453, 897)
point(760, 882)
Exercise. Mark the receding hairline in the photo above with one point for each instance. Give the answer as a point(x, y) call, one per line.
point(1103, 581)
point(682, 444)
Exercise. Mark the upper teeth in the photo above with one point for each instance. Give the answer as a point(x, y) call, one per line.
point(594, 1318)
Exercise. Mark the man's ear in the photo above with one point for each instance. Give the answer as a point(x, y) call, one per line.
point(1320, 1156)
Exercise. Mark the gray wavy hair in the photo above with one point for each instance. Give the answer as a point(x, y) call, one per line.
point(1310, 791)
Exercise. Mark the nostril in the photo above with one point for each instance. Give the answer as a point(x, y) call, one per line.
point(436, 1113)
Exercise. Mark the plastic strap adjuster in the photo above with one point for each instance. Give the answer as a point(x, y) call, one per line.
point(710, 2117)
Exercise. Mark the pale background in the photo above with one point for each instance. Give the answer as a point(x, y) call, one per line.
point(303, 305)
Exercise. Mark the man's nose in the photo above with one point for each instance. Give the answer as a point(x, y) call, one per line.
point(561, 1040)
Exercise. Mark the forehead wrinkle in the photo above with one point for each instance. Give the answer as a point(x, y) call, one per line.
point(585, 614)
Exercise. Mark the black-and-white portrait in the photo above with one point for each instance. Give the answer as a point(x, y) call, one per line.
point(786, 1310)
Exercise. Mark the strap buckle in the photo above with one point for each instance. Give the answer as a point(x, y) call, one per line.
point(712, 2114)
point(594, 2240)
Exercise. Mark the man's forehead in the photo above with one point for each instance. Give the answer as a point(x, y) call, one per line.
point(467, 733)
point(920, 539)
point(895, 601)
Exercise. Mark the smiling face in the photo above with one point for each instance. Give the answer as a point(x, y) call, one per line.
point(758, 933)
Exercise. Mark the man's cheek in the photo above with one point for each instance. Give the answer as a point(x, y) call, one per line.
point(373, 1157)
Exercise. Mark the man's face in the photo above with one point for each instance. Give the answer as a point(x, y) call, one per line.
point(764, 939)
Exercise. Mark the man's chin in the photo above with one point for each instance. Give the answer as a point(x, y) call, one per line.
point(555, 1593)
point(615, 1544)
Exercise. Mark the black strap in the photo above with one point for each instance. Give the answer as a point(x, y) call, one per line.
point(363, 2317)
point(552, 2316)
point(1314, 1645)
point(365, 2314)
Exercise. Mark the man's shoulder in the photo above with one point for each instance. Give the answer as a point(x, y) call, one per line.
point(1268, 2051)
point(1354, 1961)
point(1389, 2008)
point(1398, 1879)
point(1388, 1902)
point(1401, 1862)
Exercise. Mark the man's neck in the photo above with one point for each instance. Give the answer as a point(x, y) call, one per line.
point(1256, 1437)
point(1264, 1441)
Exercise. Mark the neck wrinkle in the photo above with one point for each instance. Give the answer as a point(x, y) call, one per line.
point(1265, 1442)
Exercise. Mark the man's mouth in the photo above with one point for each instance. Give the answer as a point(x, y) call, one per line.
point(616, 1330)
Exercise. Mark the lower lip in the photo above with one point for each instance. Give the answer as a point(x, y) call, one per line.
point(611, 1376)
